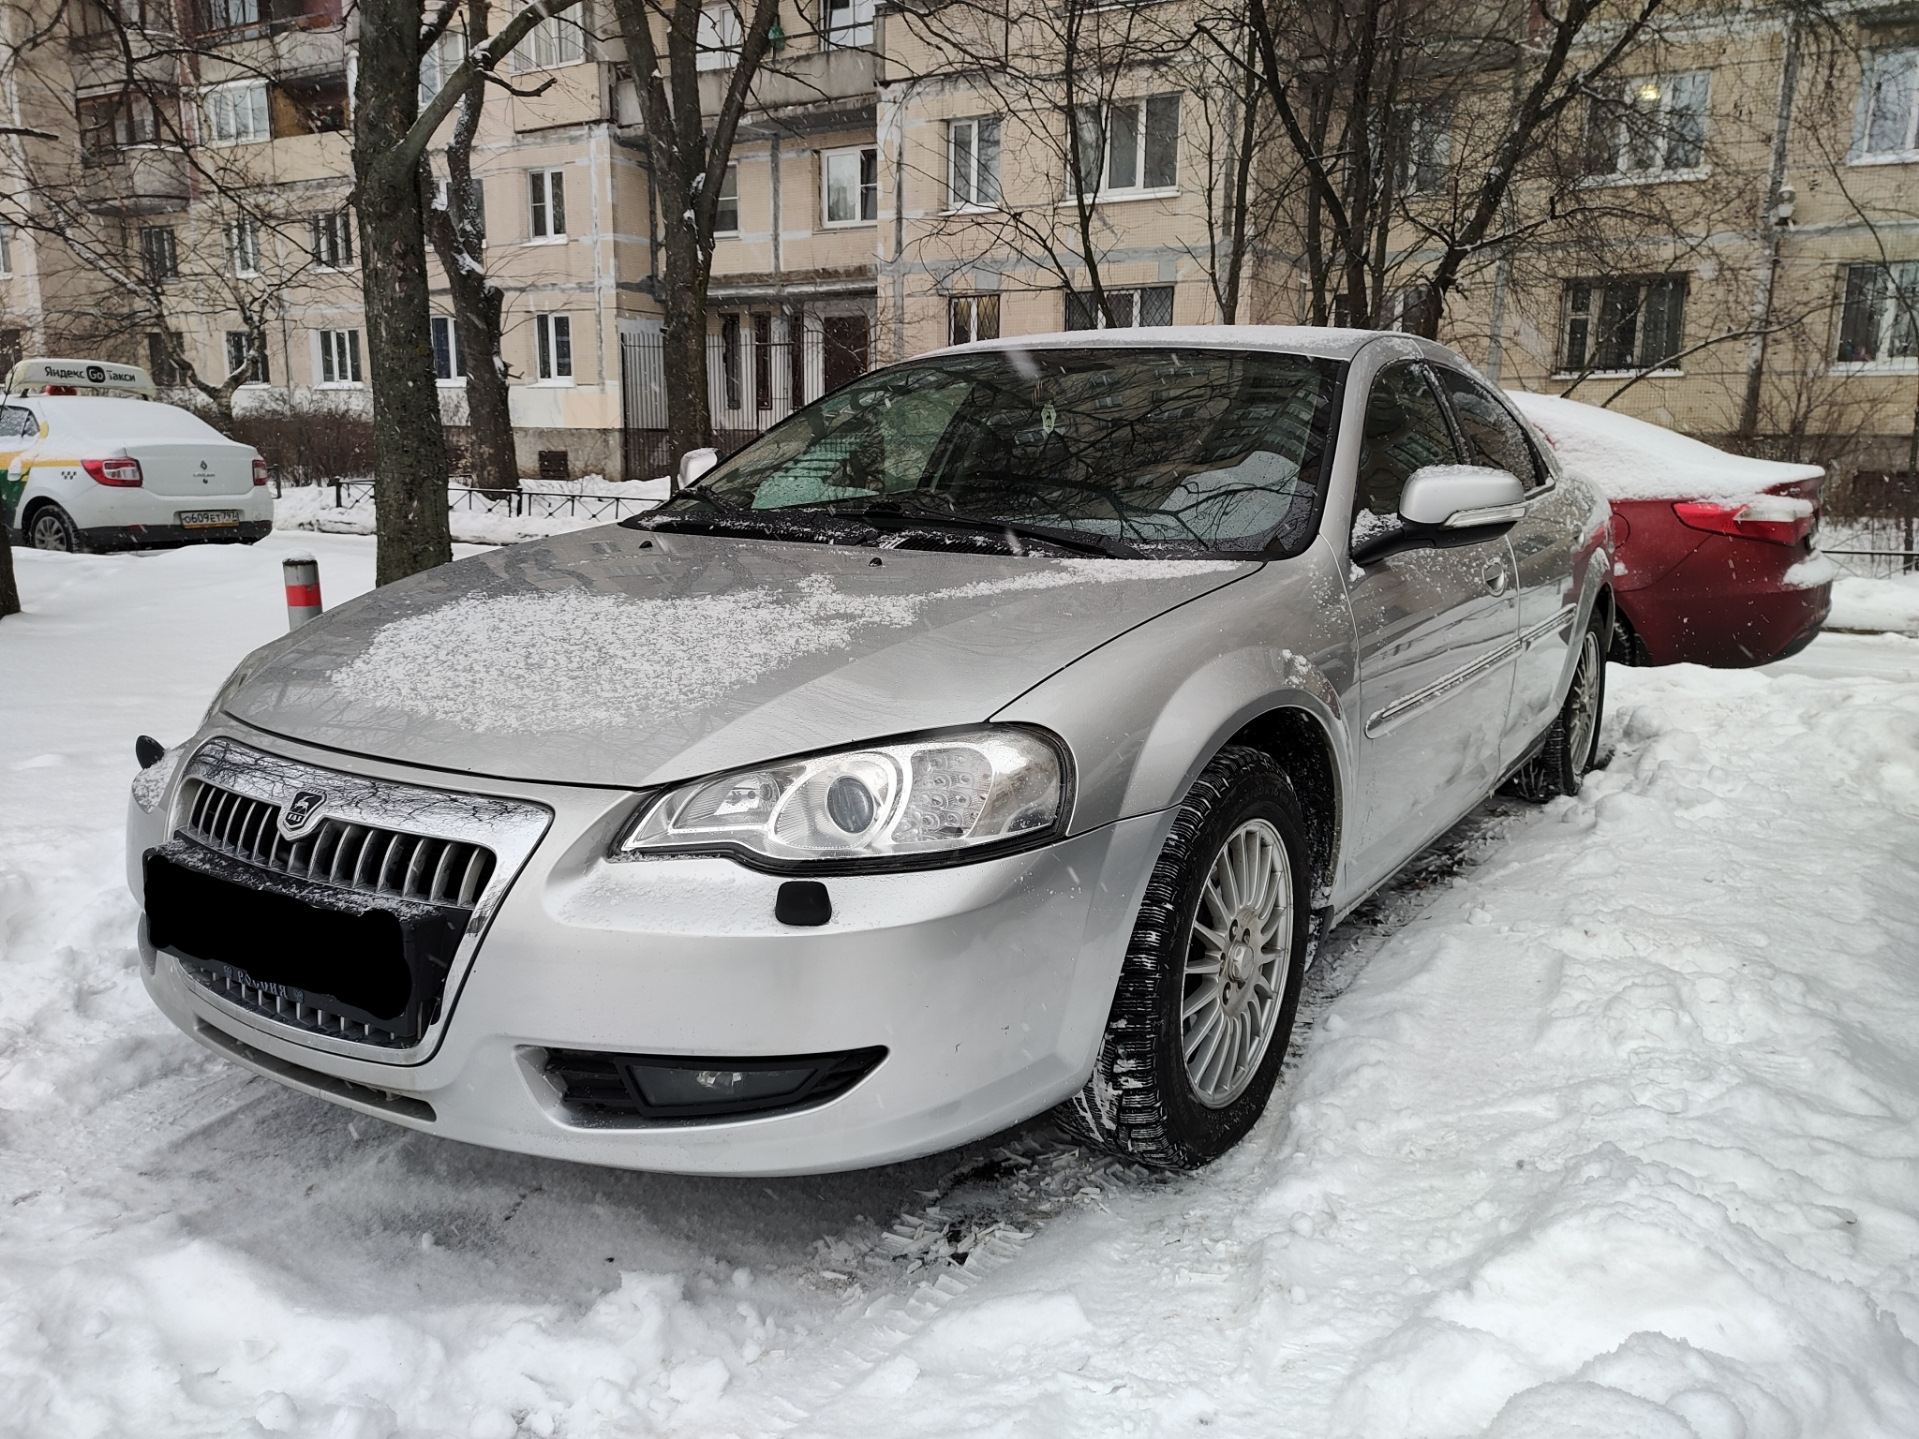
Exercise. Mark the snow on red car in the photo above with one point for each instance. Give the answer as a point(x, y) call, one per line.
point(1714, 563)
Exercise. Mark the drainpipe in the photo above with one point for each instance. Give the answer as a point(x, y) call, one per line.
point(1773, 219)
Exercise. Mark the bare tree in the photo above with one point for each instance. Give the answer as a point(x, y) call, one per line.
point(456, 224)
point(688, 152)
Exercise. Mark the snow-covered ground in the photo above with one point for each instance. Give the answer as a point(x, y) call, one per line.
point(549, 507)
point(1603, 1121)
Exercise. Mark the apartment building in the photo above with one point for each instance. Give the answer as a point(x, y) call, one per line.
point(928, 172)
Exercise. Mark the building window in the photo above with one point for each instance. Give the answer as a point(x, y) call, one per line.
point(237, 351)
point(449, 360)
point(849, 24)
point(550, 44)
point(852, 179)
point(1422, 147)
point(973, 172)
point(243, 246)
point(331, 240)
point(159, 254)
point(1406, 309)
point(163, 364)
point(726, 215)
point(111, 17)
point(1879, 319)
point(1656, 125)
point(339, 357)
point(237, 114)
point(553, 338)
point(1147, 305)
point(1623, 325)
point(972, 317)
point(718, 38)
point(1132, 145)
point(546, 204)
point(439, 62)
point(1891, 104)
point(111, 123)
point(6, 248)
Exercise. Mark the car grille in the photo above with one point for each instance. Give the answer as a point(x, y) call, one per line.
point(358, 857)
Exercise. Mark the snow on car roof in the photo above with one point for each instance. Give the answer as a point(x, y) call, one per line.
point(82, 417)
point(1289, 339)
point(1631, 459)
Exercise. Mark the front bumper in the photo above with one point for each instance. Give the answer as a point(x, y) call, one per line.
point(988, 984)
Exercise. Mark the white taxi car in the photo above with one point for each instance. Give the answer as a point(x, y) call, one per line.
point(93, 462)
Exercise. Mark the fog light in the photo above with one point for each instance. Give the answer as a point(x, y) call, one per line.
point(664, 1088)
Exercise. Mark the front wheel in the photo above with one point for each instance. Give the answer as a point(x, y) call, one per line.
point(52, 528)
point(1572, 743)
point(1204, 1009)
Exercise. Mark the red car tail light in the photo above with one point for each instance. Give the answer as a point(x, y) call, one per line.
point(1777, 519)
point(124, 473)
point(260, 475)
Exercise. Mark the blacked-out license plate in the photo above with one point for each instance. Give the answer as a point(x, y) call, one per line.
point(205, 519)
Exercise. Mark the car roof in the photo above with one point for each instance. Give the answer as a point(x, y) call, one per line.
point(1318, 340)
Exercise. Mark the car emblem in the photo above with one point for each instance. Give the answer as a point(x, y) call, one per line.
point(303, 813)
point(96, 375)
point(203, 464)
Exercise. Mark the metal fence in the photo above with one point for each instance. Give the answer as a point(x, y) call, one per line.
point(519, 504)
point(1876, 549)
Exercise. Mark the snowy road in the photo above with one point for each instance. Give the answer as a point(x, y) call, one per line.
point(1606, 1122)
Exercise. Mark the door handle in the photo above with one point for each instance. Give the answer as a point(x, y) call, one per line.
point(1496, 579)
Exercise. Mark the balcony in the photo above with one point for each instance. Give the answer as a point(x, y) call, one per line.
point(225, 21)
point(138, 180)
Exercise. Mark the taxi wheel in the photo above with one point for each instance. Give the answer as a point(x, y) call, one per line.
point(1204, 1008)
point(52, 528)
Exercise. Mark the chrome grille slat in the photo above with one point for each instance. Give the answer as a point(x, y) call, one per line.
point(340, 853)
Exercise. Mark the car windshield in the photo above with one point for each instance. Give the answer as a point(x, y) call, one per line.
point(1135, 450)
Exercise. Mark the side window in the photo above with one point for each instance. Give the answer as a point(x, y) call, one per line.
point(17, 423)
point(1405, 431)
point(1493, 436)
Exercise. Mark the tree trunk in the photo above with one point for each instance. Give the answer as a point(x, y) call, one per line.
point(689, 416)
point(9, 588)
point(458, 233)
point(409, 445)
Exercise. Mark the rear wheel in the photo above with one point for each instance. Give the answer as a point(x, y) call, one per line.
point(1573, 741)
point(1204, 1009)
point(52, 528)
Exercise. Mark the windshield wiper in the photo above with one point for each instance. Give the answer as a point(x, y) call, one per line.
point(895, 515)
point(805, 526)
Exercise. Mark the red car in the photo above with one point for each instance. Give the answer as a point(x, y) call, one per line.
point(1714, 562)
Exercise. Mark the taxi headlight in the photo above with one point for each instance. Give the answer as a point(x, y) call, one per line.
point(895, 803)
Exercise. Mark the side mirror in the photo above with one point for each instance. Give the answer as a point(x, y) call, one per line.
point(695, 463)
point(1456, 497)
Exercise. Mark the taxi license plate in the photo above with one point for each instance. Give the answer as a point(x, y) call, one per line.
point(207, 519)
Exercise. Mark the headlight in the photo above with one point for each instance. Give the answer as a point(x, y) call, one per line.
point(911, 800)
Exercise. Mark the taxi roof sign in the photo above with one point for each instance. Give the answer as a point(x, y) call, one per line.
point(95, 375)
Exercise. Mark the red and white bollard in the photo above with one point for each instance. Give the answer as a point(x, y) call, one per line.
point(303, 589)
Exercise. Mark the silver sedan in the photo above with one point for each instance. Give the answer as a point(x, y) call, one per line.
point(1002, 732)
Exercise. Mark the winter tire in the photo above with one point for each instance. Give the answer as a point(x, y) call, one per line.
point(1573, 741)
point(52, 528)
point(1204, 1009)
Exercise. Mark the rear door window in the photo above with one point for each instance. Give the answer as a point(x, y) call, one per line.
point(1493, 436)
point(17, 423)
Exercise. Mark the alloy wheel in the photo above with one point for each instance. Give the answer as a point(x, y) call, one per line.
point(1583, 711)
point(1237, 963)
point(49, 532)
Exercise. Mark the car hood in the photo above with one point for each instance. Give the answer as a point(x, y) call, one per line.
point(617, 657)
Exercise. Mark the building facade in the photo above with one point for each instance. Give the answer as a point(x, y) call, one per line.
point(930, 172)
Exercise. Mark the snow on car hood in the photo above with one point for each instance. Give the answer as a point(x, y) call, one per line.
point(1631, 459)
point(613, 656)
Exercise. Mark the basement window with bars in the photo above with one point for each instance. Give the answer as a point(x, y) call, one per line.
point(1146, 305)
point(1622, 326)
point(972, 317)
point(1879, 317)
